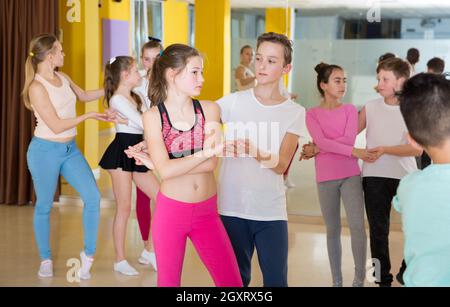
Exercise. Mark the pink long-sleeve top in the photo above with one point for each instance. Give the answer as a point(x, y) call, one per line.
point(334, 132)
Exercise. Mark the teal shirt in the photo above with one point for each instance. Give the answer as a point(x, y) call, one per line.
point(423, 199)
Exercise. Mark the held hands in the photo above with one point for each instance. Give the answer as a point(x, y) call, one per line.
point(141, 157)
point(377, 152)
point(110, 116)
point(309, 151)
point(114, 117)
point(142, 146)
point(364, 155)
point(240, 148)
point(369, 155)
point(216, 150)
point(97, 116)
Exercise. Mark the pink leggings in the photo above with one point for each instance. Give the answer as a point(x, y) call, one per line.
point(175, 221)
point(144, 214)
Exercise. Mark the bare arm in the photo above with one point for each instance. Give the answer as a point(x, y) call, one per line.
point(278, 163)
point(83, 95)
point(205, 167)
point(240, 75)
point(287, 151)
point(406, 150)
point(42, 105)
point(362, 123)
point(213, 133)
point(140, 153)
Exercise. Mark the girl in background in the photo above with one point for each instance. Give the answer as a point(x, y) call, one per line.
point(150, 51)
point(121, 76)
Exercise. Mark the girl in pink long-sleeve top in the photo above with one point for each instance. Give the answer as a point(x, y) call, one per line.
point(333, 127)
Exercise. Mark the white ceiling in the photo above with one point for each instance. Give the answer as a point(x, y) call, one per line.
point(388, 8)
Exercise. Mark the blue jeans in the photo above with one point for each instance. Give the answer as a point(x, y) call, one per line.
point(46, 161)
point(271, 241)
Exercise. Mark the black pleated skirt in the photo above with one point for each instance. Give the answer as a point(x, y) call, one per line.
point(115, 157)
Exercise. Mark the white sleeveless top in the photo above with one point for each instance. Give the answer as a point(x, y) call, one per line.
point(63, 100)
point(247, 73)
point(386, 127)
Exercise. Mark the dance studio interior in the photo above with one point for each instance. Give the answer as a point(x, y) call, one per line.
point(93, 192)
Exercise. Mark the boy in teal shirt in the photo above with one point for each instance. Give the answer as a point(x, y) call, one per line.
point(423, 197)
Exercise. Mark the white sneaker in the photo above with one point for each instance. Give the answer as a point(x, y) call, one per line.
point(123, 267)
point(86, 264)
point(46, 269)
point(288, 184)
point(148, 258)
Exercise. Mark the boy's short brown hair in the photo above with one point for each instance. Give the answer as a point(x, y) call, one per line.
point(278, 39)
point(399, 67)
point(436, 65)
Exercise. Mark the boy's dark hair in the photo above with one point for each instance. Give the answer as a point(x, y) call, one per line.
point(399, 67)
point(278, 39)
point(413, 55)
point(387, 55)
point(436, 65)
point(425, 106)
point(245, 47)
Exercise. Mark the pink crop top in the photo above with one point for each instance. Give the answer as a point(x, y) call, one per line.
point(180, 143)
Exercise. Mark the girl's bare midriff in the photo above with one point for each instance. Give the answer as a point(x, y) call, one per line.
point(190, 188)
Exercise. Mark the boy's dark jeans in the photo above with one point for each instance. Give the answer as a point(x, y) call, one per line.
point(378, 194)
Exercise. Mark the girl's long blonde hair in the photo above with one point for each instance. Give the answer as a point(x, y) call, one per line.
point(40, 47)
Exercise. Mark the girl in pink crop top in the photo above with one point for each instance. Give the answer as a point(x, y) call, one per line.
point(186, 205)
point(180, 143)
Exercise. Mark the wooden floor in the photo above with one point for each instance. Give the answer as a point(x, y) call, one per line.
point(308, 261)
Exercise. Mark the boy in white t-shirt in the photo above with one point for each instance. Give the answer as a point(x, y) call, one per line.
point(386, 136)
point(262, 133)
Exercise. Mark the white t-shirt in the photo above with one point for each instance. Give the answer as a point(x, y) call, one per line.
point(386, 127)
point(128, 110)
point(247, 189)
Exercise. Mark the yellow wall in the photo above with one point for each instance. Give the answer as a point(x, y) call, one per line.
point(82, 42)
point(116, 10)
point(81, 45)
point(213, 39)
point(175, 22)
point(278, 20)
